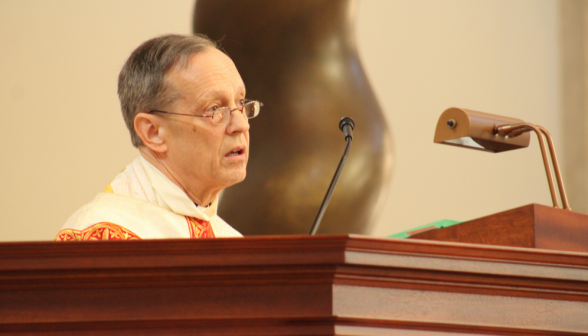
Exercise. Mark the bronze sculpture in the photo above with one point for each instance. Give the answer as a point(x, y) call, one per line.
point(300, 59)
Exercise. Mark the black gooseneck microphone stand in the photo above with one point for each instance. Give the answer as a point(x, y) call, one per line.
point(346, 125)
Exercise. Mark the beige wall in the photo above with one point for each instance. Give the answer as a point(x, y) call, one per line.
point(573, 16)
point(493, 56)
point(63, 138)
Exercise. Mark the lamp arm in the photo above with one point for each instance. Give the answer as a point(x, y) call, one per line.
point(518, 129)
point(513, 130)
point(560, 185)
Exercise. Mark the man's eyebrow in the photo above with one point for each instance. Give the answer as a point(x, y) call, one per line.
point(216, 94)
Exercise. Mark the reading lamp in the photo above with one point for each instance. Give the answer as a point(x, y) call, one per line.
point(493, 133)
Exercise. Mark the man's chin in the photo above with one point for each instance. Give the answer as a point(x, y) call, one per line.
point(242, 178)
point(236, 178)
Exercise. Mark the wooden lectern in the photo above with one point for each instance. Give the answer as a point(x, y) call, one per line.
point(290, 285)
point(532, 225)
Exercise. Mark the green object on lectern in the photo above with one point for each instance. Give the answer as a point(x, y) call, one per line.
point(438, 224)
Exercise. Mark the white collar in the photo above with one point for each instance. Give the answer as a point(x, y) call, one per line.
point(173, 198)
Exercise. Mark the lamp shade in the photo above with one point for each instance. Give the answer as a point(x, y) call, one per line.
point(476, 130)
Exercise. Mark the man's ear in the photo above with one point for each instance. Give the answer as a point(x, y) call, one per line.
point(151, 130)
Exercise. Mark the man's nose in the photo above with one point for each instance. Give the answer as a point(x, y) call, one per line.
point(238, 122)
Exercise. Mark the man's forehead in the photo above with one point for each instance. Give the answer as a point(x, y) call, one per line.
point(208, 67)
point(211, 62)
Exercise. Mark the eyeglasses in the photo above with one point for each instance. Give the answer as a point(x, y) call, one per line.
point(221, 115)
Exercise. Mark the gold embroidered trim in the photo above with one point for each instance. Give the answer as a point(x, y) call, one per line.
point(199, 228)
point(99, 231)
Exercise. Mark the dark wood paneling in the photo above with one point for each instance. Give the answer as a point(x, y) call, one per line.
point(263, 285)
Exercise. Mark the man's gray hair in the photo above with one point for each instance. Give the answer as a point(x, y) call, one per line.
point(142, 82)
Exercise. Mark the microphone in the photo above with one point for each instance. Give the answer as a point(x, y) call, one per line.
point(346, 125)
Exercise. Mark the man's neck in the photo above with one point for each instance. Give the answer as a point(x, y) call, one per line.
point(201, 197)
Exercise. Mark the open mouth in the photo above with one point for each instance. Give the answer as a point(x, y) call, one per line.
point(236, 151)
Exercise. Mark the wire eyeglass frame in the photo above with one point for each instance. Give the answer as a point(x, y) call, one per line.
point(249, 109)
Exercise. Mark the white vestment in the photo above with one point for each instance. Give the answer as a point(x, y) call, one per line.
point(142, 202)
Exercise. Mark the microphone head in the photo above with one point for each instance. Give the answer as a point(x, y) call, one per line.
point(346, 121)
point(347, 125)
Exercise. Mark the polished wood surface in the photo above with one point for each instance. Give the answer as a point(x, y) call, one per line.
point(300, 59)
point(290, 285)
point(532, 225)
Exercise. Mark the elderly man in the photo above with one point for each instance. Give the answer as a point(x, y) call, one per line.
point(184, 104)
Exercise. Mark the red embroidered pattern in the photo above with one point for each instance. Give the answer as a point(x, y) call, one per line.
point(99, 231)
point(199, 228)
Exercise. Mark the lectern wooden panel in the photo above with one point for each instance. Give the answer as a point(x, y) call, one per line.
point(290, 285)
point(532, 225)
